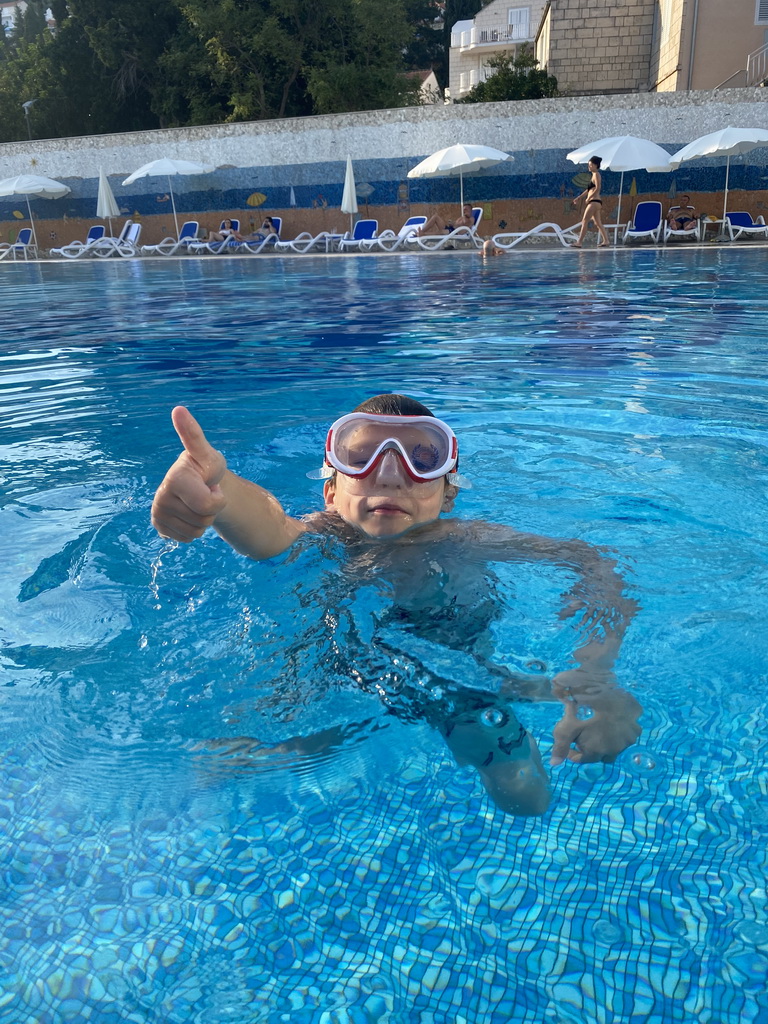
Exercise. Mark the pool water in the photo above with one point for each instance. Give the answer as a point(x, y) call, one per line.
point(176, 848)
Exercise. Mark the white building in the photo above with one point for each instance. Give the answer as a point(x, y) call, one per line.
point(502, 26)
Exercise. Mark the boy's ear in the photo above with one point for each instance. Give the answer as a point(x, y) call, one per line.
point(329, 492)
point(449, 497)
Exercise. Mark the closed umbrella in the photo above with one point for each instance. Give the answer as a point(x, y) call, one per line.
point(458, 160)
point(623, 153)
point(727, 142)
point(106, 204)
point(33, 185)
point(167, 168)
point(349, 196)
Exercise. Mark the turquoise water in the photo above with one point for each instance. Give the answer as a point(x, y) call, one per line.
point(169, 856)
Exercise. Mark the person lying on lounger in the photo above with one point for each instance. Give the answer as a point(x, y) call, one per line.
point(683, 216)
point(226, 232)
point(267, 228)
point(437, 226)
point(391, 472)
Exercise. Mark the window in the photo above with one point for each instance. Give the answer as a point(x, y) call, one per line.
point(761, 12)
point(518, 20)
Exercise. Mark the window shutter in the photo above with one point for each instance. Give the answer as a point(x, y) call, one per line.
point(761, 12)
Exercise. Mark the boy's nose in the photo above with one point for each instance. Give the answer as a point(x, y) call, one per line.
point(390, 470)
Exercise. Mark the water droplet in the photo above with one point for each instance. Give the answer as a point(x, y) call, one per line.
point(495, 718)
point(752, 932)
point(584, 712)
point(608, 933)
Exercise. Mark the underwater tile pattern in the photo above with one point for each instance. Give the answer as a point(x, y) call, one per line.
point(629, 901)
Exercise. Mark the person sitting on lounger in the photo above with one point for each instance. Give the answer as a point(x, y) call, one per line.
point(225, 233)
point(437, 226)
point(267, 228)
point(682, 217)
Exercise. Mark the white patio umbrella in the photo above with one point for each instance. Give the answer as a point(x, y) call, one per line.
point(349, 196)
point(623, 153)
point(106, 204)
point(458, 160)
point(727, 142)
point(167, 168)
point(33, 185)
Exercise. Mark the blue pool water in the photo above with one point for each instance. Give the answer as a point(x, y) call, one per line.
point(168, 857)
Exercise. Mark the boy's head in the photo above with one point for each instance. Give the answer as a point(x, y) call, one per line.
point(390, 477)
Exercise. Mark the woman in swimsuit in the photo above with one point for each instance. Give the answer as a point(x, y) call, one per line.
point(593, 209)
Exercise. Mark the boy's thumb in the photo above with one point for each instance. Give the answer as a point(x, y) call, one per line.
point(194, 440)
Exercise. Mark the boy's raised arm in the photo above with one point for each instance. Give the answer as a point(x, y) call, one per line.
point(199, 491)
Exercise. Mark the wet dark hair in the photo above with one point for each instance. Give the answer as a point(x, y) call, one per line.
point(393, 405)
point(596, 160)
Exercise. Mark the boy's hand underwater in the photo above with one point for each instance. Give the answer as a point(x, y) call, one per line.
point(611, 726)
point(190, 498)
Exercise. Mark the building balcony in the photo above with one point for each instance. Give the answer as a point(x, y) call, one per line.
point(469, 79)
point(491, 38)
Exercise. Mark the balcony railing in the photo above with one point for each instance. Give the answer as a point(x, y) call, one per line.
point(757, 66)
point(469, 79)
point(491, 37)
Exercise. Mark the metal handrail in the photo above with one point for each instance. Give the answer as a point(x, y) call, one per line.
point(757, 66)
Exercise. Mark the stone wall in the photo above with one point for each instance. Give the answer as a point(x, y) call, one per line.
point(603, 47)
point(262, 166)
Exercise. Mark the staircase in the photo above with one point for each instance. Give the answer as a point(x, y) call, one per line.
point(755, 73)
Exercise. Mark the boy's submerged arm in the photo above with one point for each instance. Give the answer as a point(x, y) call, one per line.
point(600, 612)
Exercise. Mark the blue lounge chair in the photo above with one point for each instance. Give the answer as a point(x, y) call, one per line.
point(694, 231)
point(741, 223)
point(170, 246)
point(364, 231)
point(257, 245)
point(225, 245)
point(459, 236)
point(23, 246)
point(74, 249)
point(647, 222)
point(389, 241)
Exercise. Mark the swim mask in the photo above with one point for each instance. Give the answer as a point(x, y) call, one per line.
point(357, 442)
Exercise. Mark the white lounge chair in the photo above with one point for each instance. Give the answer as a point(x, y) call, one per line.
point(256, 246)
point(305, 241)
point(389, 241)
point(23, 246)
point(688, 232)
point(127, 245)
point(363, 231)
point(170, 246)
point(647, 222)
point(740, 223)
point(459, 236)
point(74, 249)
point(507, 240)
point(106, 243)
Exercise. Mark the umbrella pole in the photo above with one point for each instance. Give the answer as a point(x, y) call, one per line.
point(618, 215)
point(461, 190)
point(173, 206)
point(32, 223)
point(725, 198)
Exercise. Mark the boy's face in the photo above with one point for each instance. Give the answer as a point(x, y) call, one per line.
point(388, 501)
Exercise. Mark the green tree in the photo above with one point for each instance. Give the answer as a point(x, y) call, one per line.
point(515, 77)
point(360, 64)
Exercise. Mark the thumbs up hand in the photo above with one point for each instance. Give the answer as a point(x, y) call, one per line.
point(189, 498)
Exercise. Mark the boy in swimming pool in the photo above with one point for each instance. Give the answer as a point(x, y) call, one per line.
point(391, 472)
